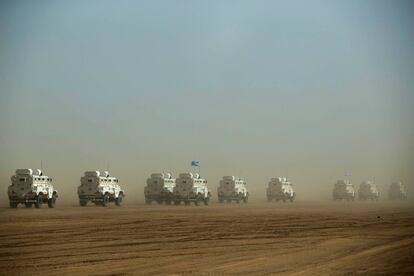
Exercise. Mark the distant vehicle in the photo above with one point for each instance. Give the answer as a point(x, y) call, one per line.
point(397, 191)
point(280, 188)
point(99, 188)
point(344, 189)
point(160, 188)
point(232, 188)
point(191, 188)
point(31, 187)
point(368, 190)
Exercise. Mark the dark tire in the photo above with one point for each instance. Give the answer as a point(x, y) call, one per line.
point(119, 199)
point(83, 203)
point(39, 201)
point(105, 200)
point(51, 202)
point(28, 205)
point(12, 204)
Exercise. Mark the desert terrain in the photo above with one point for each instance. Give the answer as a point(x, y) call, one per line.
point(300, 238)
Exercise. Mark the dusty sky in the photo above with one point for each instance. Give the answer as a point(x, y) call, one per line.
point(304, 89)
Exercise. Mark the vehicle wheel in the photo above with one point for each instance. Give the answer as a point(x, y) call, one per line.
point(51, 202)
point(28, 204)
point(83, 203)
point(118, 200)
point(12, 204)
point(105, 200)
point(39, 201)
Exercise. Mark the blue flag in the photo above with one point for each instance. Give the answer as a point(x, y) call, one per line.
point(195, 163)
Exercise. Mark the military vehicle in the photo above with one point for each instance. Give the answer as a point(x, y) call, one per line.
point(189, 188)
point(368, 190)
point(397, 191)
point(344, 189)
point(99, 188)
point(30, 187)
point(280, 188)
point(160, 187)
point(232, 188)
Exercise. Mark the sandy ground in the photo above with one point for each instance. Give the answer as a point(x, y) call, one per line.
point(328, 238)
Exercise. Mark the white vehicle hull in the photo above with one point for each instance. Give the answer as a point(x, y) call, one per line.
point(279, 189)
point(31, 189)
point(159, 188)
point(99, 189)
point(191, 188)
point(232, 188)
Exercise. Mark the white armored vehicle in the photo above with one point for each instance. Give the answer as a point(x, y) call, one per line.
point(31, 187)
point(232, 188)
point(99, 188)
point(280, 188)
point(160, 188)
point(343, 189)
point(191, 188)
point(397, 191)
point(368, 190)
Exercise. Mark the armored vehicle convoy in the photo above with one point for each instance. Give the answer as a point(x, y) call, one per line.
point(397, 191)
point(232, 188)
point(31, 187)
point(368, 190)
point(280, 188)
point(344, 189)
point(191, 188)
point(99, 188)
point(160, 187)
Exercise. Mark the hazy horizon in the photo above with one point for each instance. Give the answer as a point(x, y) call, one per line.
point(309, 90)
